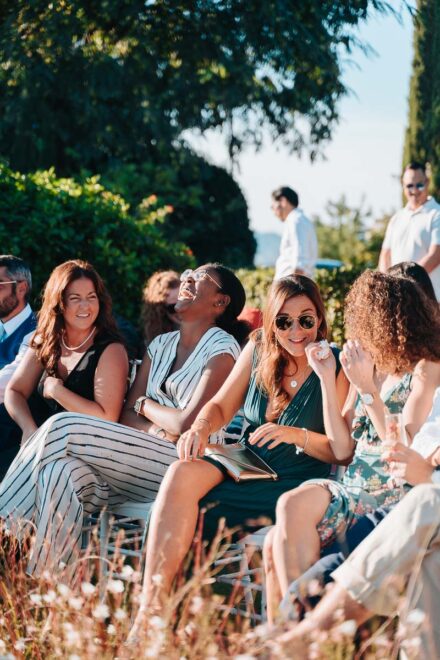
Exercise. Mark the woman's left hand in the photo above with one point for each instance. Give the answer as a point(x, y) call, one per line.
point(275, 434)
point(323, 367)
point(407, 464)
point(51, 386)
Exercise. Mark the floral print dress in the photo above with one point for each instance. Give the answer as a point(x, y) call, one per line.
point(366, 484)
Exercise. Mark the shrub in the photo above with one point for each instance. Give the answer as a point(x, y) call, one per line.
point(209, 210)
point(334, 286)
point(47, 220)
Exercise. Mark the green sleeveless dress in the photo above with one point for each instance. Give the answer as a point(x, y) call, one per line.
point(251, 505)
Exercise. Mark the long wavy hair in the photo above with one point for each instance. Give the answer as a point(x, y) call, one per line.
point(272, 357)
point(155, 319)
point(47, 338)
point(394, 319)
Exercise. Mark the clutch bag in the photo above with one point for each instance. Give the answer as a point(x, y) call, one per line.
point(241, 463)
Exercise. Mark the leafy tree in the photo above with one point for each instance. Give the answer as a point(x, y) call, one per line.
point(422, 135)
point(47, 220)
point(85, 84)
point(209, 210)
point(346, 235)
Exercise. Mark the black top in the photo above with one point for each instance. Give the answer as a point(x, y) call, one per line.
point(81, 381)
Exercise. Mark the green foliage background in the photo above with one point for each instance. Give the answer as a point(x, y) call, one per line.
point(47, 220)
point(422, 138)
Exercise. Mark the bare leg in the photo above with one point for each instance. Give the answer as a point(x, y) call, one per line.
point(296, 542)
point(273, 592)
point(172, 526)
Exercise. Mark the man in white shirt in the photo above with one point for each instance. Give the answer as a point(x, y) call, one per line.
point(413, 233)
point(404, 547)
point(299, 245)
point(17, 324)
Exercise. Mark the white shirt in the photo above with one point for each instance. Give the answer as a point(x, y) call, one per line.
point(10, 326)
point(410, 234)
point(427, 440)
point(299, 246)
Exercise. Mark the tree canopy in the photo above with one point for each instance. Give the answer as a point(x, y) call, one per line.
point(422, 141)
point(85, 84)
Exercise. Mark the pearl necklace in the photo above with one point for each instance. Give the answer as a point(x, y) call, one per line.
point(75, 348)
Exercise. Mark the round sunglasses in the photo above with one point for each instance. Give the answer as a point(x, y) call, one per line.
point(284, 322)
point(197, 276)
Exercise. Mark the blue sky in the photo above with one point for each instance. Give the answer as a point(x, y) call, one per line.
point(363, 160)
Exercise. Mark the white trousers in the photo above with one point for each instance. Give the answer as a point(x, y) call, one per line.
point(70, 467)
point(402, 552)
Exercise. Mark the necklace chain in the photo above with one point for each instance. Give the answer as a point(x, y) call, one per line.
point(294, 382)
point(75, 348)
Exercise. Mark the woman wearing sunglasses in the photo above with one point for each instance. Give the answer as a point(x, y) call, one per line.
point(293, 390)
point(78, 464)
point(393, 363)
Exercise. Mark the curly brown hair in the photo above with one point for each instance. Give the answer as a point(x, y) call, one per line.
point(272, 358)
point(47, 338)
point(394, 320)
point(155, 320)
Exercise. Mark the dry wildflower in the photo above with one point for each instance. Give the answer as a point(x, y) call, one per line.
point(20, 645)
point(87, 588)
point(36, 599)
point(101, 612)
point(157, 622)
point(111, 629)
point(50, 597)
point(76, 602)
point(63, 590)
point(415, 617)
point(348, 628)
point(74, 657)
point(120, 614)
point(115, 586)
point(157, 579)
point(197, 604)
point(127, 571)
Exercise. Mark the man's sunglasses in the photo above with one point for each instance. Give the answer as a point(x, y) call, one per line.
point(419, 186)
point(284, 322)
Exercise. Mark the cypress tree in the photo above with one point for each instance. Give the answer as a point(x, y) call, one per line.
point(422, 138)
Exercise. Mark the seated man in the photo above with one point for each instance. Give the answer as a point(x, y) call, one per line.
point(17, 323)
point(405, 544)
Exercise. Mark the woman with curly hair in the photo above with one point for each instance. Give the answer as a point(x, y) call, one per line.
point(292, 390)
point(77, 361)
point(392, 360)
point(158, 304)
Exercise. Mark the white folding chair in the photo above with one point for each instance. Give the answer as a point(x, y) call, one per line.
point(133, 518)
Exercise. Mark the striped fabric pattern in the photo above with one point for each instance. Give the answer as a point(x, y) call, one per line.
point(75, 464)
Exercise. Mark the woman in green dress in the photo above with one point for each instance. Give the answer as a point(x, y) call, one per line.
point(393, 363)
point(293, 391)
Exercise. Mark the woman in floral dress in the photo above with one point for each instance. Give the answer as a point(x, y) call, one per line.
point(392, 361)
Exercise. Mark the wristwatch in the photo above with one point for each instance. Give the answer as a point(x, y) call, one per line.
point(367, 398)
point(138, 404)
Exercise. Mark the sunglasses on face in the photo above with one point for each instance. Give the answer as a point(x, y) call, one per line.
point(419, 186)
point(197, 276)
point(284, 322)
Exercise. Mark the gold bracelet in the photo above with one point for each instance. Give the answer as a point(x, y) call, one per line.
point(300, 450)
point(203, 419)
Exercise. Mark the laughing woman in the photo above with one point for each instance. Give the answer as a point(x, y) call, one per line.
point(292, 394)
point(180, 372)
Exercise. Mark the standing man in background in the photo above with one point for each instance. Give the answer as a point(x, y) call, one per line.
point(299, 246)
point(413, 233)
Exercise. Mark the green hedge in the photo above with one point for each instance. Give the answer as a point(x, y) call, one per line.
point(334, 285)
point(47, 220)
